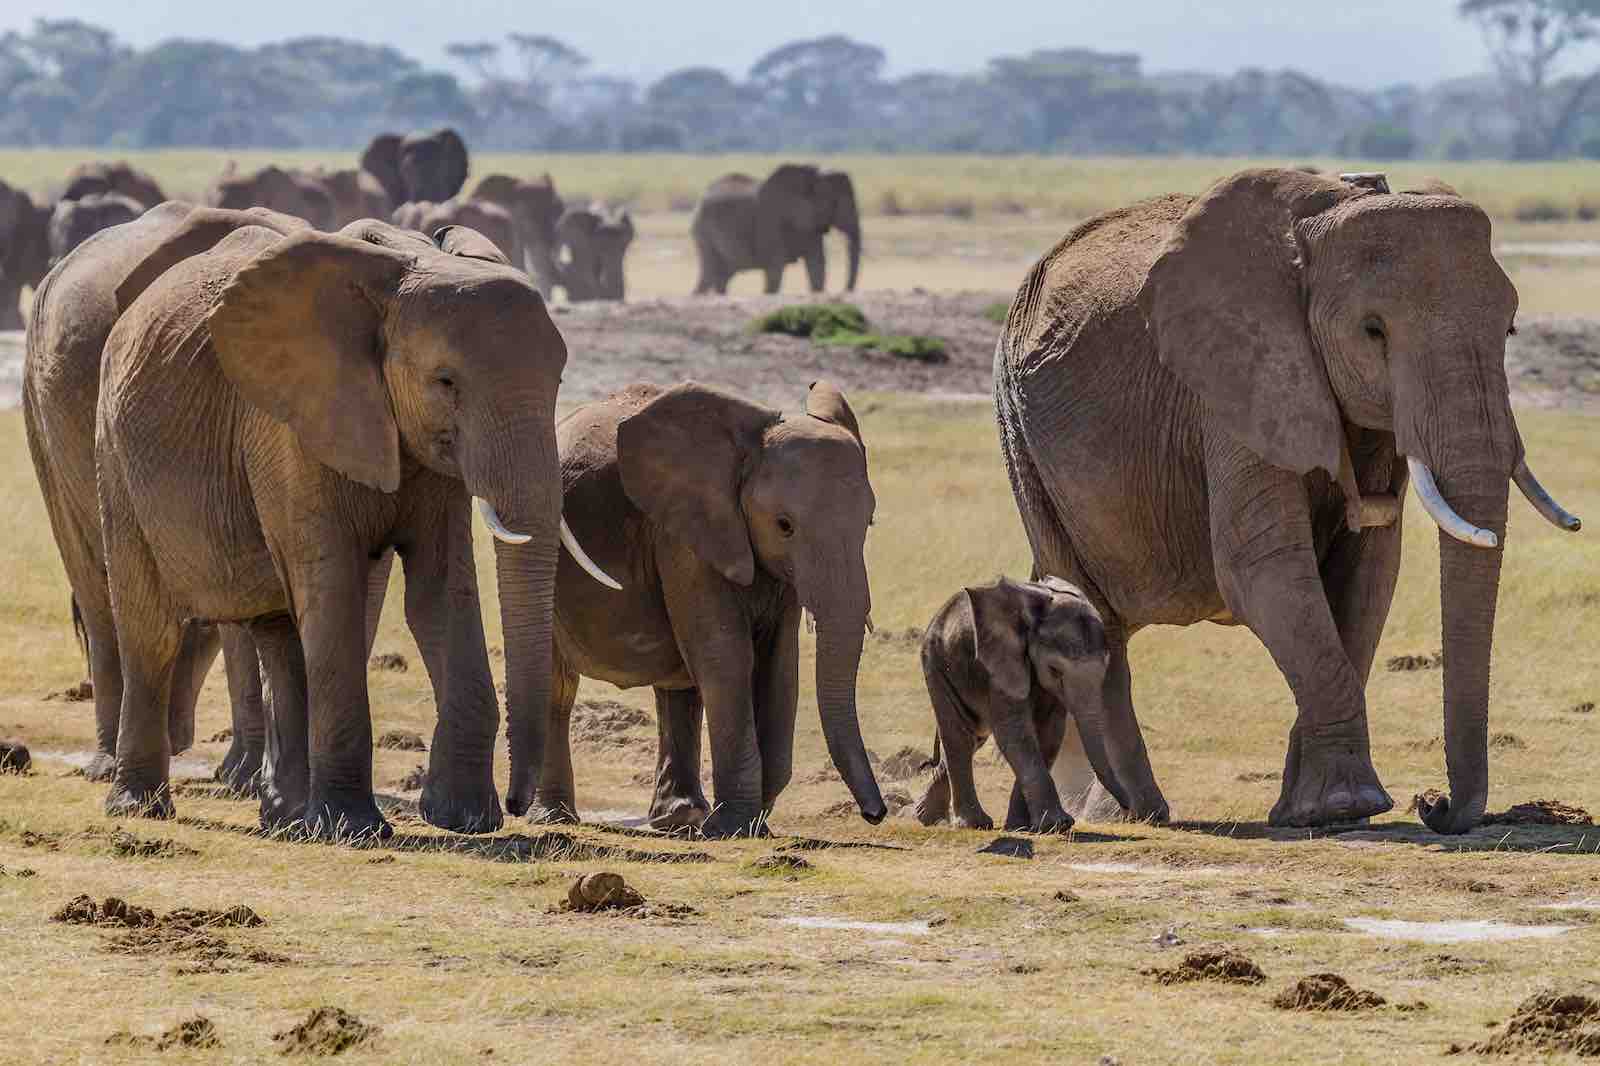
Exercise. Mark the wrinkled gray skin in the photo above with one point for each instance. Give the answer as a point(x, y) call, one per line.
point(433, 166)
point(489, 219)
point(24, 250)
point(742, 224)
point(1258, 361)
point(1025, 662)
point(722, 519)
point(288, 192)
point(100, 178)
point(381, 159)
point(326, 397)
point(74, 221)
point(593, 242)
point(535, 209)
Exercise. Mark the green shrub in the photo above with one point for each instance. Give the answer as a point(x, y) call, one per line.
point(998, 312)
point(813, 320)
point(900, 345)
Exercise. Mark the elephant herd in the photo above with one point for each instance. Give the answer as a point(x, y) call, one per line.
point(1209, 408)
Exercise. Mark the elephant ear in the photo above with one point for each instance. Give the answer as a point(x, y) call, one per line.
point(388, 235)
point(468, 243)
point(1224, 302)
point(382, 160)
point(789, 197)
point(683, 458)
point(1432, 187)
point(455, 154)
point(298, 332)
point(1003, 617)
point(200, 230)
point(825, 401)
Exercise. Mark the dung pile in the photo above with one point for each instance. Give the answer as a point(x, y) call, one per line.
point(14, 757)
point(1226, 966)
point(1326, 992)
point(196, 1032)
point(1541, 812)
point(326, 1031)
point(1548, 1022)
point(400, 740)
point(602, 892)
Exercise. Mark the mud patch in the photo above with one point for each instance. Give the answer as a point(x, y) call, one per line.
point(82, 692)
point(1480, 931)
point(390, 661)
point(607, 723)
point(915, 928)
point(1326, 992)
point(414, 779)
point(326, 1031)
point(400, 740)
point(1405, 664)
point(1546, 1023)
point(14, 757)
point(1227, 967)
point(904, 764)
point(124, 845)
point(1540, 812)
point(198, 1032)
point(1009, 847)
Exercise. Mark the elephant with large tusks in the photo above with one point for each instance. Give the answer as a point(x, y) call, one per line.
point(743, 224)
point(325, 397)
point(1210, 409)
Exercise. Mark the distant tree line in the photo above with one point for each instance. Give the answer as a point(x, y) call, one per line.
point(65, 82)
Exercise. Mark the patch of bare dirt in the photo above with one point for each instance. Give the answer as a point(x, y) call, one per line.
point(906, 763)
point(198, 1033)
point(1226, 966)
point(1553, 361)
point(1540, 812)
point(125, 845)
point(14, 757)
point(1405, 664)
point(221, 736)
point(414, 779)
point(1326, 992)
point(607, 723)
point(1546, 1023)
point(82, 692)
point(390, 661)
point(400, 740)
point(326, 1031)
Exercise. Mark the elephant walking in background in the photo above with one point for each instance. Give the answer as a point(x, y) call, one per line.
point(120, 178)
point(594, 241)
point(1210, 409)
point(288, 192)
point(74, 221)
point(743, 224)
point(724, 520)
point(535, 210)
point(24, 251)
point(423, 166)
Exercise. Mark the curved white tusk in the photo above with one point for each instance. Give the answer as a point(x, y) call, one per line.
point(1442, 513)
point(497, 527)
point(581, 557)
point(1553, 512)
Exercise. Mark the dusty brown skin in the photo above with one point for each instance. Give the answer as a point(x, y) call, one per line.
point(325, 397)
point(289, 192)
point(24, 250)
point(122, 178)
point(743, 224)
point(489, 219)
point(595, 241)
point(535, 209)
point(1023, 661)
point(721, 519)
point(1177, 388)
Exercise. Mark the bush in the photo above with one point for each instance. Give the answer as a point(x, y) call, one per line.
point(902, 346)
point(998, 312)
point(813, 320)
point(1590, 148)
point(1541, 209)
point(1384, 140)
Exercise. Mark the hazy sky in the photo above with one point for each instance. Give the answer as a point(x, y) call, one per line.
point(1365, 43)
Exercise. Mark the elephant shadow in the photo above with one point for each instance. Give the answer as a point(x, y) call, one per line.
point(1552, 839)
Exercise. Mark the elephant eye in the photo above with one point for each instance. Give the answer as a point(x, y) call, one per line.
point(445, 379)
point(785, 526)
point(1373, 329)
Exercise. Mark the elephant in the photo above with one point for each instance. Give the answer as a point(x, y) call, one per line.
point(355, 194)
point(489, 219)
point(1210, 408)
point(288, 192)
point(74, 221)
point(121, 178)
point(1023, 661)
point(381, 159)
point(325, 397)
point(724, 519)
point(594, 241)
point(433, 166)
point(742, 224)
point(535, 209)
point(24, 251)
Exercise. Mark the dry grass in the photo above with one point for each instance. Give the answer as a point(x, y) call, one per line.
point(454, 954)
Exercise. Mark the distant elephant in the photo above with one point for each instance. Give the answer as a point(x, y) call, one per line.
point(1025, 661)
point(535, 209)
point(594, 243)
point(355, 194)
point(324, 397)
point(74, 221)
point(723, 519)
point(288, 192)
point(1210, 408)
point(121, 178)
point(742, 224)
point(24, 251)
point(381, 159)
point(433, 166)
point(489, 219)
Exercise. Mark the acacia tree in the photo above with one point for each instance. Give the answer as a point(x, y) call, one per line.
point(1527, 40)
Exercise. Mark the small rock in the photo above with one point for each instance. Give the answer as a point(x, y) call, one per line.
point(602, 891)
point(1010, 847)
point(14, 757)
point(392, 661)
point(414, 778)
point(400, 740)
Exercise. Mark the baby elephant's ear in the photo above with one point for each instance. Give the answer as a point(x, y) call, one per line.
point(825, 401)
point(1003, 614)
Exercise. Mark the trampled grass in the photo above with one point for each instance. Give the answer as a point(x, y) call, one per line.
point(456, 952)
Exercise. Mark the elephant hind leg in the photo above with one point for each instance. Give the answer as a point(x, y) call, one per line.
point(285, 769)
point(934, 806)
point(240, 769)
point(105, 675)
point(679, 800)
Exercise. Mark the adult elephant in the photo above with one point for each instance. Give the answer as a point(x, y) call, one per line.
point(535, 209)
point(354, 195)
point(381, 159)
point(742, 224)
point(24, 251)
point(1210, 409)
point(433, 166)
point(327, 396)
point(74, 221)
point(119, 178)
point(288, 192)
point(725, 519)
point(489, 219)
point(594, 242)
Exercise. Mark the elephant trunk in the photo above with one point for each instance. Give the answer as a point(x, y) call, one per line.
point(840, 634)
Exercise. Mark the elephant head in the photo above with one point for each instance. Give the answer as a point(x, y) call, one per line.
point(535, 209)
point(595, 243)
point(1293, 304)
point(285, 191)
point(90, 179)
point(489, 220)
point(355, 194)
point(748, 488)
point(433, 166)
point(801, 201)
point(24, 250)
point(74, 221)
point(381, 159)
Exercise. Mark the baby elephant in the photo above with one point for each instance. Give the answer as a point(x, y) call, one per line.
point(1015, 659)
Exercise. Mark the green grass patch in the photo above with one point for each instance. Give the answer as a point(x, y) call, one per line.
point(844, 325)
point(998, 311)
point(922, 348)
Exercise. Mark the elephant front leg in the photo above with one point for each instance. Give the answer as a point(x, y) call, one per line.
point(272, 661)
point(816, 266)
point(240, 768)
point(777, 698)
point(959, 739)
point(1016, 735)
point(678, 801)
point(556, 801)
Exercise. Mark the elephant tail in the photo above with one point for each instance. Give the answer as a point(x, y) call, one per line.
point(80, 631)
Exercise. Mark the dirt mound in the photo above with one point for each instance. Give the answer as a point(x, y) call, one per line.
point(186, 932)
point(1540, 812)
point(221, 736)
point(326, 1031)
point(197, 1032)
point(1548, 1022)
point(1228, 967)
point(400, 740)
point(1405, 664)
point(125, 845)
point(606, 723)
point(906, 763)
point(83, 910)
point(1324, 992)
point(414, 779)
point(602, 892)
point(391, 661)
point(14, 757)
point(82, 692)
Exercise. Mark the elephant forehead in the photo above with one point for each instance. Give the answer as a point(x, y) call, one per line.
point(482, 308)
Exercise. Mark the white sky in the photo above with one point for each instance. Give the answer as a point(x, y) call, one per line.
point(1364, 43)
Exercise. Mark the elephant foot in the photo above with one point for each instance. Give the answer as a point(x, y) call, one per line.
point(281, 811)
point(1056, 821)
point(346, 819)
point(240, 770)
point(103, 767)
point(1329, 780)
point(548, 810)
point(674, 812)
point(973, 820)
point(134, 800)
point(725, 823)
point(461, 809)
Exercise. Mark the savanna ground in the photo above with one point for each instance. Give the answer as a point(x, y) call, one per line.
point(455, 948)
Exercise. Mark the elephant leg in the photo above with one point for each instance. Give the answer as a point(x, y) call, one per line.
point(196, 655)
point(105, 673)
point(774, 278)
point(959, 739)
point(1081, 791)
point(934, 806)
point(240, 768)
point(816, 266)
point(1050, 725)
point(272, 651)
point(377, 592)
point(1016, 735)
point(679, 801)
point(557, 797)
point(777, 691)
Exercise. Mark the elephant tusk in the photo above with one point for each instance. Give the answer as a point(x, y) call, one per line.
point(1442, 513)
point(1542, 501)
point(581, 557)
point(497, 527)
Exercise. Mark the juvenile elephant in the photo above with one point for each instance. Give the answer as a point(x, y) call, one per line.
point(1268, 365)
point(1023, 661)
point(742, 224)
point(74, 221)
point(24, 251)
point(594, 243)
point(535, 209)
point(489, 219)
point(289, 192)
point(323, 397)
point(724, 520)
